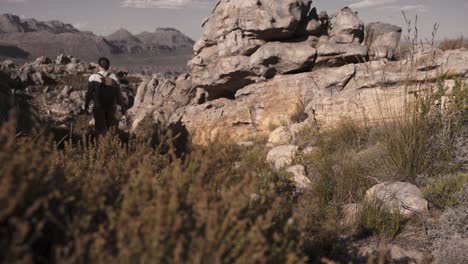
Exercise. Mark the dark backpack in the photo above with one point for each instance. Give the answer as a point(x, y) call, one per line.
point(105, 93)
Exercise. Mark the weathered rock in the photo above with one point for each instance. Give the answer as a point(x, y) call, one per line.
point(333, 54)
point(283, 58)
point(300, 176)
point(235, 30)
point(282, 156)
point(314, 24)
point(383, 40)
point(280, 136)
point(402, 196)
point(256, 107)
point(160, 97)
point(263, 19)
point(347, 28)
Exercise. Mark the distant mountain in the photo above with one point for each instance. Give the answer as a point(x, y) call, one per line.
point(26, 39)
point(13, 24)
point(161, 41)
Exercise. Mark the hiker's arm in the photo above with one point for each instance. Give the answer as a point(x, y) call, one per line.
point(89, 95)
point(93, 81)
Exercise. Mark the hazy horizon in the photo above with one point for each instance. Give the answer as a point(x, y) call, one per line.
point(106, 16)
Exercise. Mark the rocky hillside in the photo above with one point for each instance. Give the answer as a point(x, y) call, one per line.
point(25, 39)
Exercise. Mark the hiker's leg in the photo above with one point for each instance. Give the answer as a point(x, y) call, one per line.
point(110, 118)
point(100, 123)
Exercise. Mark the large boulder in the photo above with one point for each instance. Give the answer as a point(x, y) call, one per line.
point(348, 27)
point(402, 196)
point(332, 54)
point(277, 57)
point(262, 19)
point(160, 97)
point(237, 29)
point(383, 40)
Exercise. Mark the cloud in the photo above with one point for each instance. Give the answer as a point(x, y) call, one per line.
point(371, 3)
point(167, 4)
point(414, 8)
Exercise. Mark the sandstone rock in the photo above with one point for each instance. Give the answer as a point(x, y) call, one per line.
point(280, 136)
point(300, 176)
point(264, 19)
point(261, 105)
point(160, 97)
point(333, 54)
point(402, 196)
point(283, 58)
point(282, 156)
point(383, 40)
point(347, 28)
point(314, 24)
point(237, 29)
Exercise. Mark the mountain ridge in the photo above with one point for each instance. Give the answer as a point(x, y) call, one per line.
point(25, 39)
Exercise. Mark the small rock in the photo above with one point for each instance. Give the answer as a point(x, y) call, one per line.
point(310, 150)
point(300, 176)
point(279, 136)
point(76, 95)
point(282, 156)
point(246, 143)
point(405, 197)
point(66, 90)
point(62, 60)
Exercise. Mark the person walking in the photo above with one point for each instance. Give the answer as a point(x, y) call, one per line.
point(104, 91)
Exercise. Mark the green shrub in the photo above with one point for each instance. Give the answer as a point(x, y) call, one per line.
point(380, 220)
point(444, 192)
point(452, 44)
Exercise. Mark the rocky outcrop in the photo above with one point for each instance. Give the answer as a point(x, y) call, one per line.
point(235, 49)
point(383, 40)
point(330, 94)
point(161, 97)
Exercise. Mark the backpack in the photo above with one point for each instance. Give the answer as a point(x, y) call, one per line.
point(105, 93)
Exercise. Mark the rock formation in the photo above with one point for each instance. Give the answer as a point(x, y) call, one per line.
point(259, 63)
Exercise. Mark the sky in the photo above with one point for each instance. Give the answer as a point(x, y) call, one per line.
point(106, 16)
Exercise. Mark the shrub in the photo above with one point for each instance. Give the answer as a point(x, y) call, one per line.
point(444, 192)
point(105, 200)
point(380, 220)
point(452, 44)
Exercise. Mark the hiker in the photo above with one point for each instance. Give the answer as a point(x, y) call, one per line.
point(104, 90)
